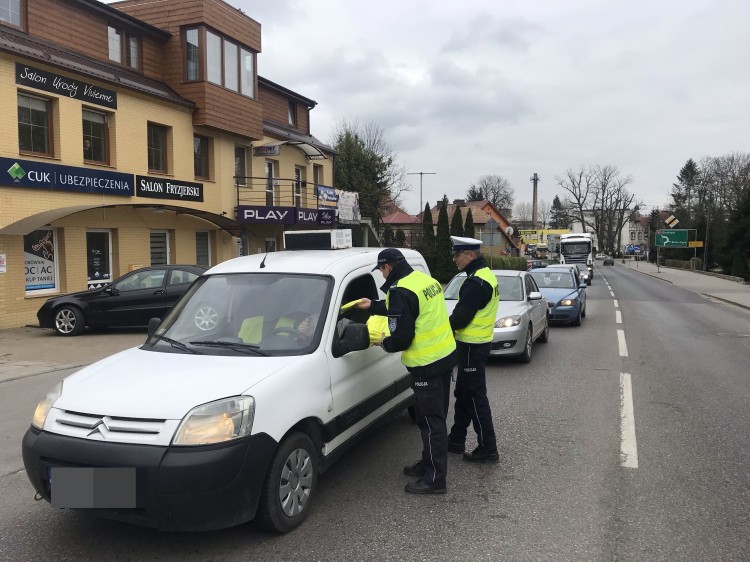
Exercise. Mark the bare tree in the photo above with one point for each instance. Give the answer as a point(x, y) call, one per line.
point(522, 213)
point(545, 213)
point(580, 185)
point(495, 189)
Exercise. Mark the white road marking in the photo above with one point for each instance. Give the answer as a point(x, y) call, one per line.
point(628, 444)
point(611, 294)
point(621, 343)
point(618, 317)
point(616, 305)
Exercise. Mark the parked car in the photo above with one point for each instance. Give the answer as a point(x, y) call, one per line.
point(131, 300)
point(231, 409)
point(583, 275)
point(609, 260)
point(521, 315)
point(535, 264)
point(566, 296)
point(600, 256)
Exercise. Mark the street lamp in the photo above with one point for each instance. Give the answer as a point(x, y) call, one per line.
point(420, 174)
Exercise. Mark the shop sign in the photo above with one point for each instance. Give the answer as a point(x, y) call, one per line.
point(327, 196)
point(64, 86)
point(247, 214)
point(348, 207)
point(325, 217)
point(39, 260)
point(28, 173)
point(270, 150)
point(160, 188)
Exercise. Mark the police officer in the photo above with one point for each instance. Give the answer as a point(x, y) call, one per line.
point(419, 327)
point(473, 321)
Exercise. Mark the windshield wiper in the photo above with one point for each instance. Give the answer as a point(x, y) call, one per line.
point(177, 344)
point(237, 346)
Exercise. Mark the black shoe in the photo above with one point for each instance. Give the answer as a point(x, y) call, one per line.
point(422, 487)
point(416, 469)
point(480, 455)
point(457, 447)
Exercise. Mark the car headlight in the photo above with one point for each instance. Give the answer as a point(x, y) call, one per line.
point(508, 322)
point(216, 422)
point(568, 302)
point(43, 408)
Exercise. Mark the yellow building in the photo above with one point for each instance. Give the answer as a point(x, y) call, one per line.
point(134, 138)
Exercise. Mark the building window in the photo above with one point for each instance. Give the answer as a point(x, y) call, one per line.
point(34, 125)
point(632, 235)
point(202, 249)
point(299, 185)
point(240, 165)
point(292, 112)
point(200, 156)
point(270, 183)
point(318, 174)
point(247, 73)
point(123, 48)
point(192, 55)
point(226, 63)
point(231, 75)
point(95, 136)
point(11, 12)
point(157, 148)
point(159, 247)
point(640, 236)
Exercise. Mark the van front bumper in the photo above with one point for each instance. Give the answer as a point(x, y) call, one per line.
point(177, 488)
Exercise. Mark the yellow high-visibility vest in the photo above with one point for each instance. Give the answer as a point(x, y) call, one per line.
point(482, 326)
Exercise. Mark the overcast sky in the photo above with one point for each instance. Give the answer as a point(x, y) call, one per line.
point(469, 88)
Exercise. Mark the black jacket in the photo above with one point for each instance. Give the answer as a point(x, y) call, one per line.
point(473, 296)
point(402, 310)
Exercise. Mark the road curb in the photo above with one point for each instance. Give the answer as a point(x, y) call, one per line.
point(725, 300)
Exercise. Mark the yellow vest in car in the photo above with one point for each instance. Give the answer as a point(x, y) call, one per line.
point(482, 326)
point(433, 337)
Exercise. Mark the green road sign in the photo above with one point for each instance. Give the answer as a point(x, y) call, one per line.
point(672, 238)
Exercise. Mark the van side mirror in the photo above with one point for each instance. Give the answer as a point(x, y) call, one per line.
point(152, 325)
point(355, 337)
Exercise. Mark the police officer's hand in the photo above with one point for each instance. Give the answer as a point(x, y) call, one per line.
point(364, 303)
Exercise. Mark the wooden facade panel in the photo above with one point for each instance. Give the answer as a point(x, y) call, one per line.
point(276, 109)
point(62, 23)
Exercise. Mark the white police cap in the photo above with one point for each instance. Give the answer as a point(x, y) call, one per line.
point(461, 243)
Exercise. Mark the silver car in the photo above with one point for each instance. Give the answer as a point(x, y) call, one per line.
point(521, 314)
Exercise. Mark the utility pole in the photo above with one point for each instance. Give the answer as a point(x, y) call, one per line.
point(420, 174)
point(535, 180)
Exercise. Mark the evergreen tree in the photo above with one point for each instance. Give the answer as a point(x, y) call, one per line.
point(469, 225)
point(457, 225)
point(399, 238)
point(684, 193)
point(444, 267)
point(559, 217)
point(387, 235)
point(427, 244)
point(737, 243)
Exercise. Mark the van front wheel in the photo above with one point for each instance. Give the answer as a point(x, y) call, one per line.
point(288, 491)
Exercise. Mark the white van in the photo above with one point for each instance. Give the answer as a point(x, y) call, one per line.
point(245, 392)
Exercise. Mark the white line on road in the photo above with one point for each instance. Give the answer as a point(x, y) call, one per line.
point(611, 294)
point(616, 305)
point(628, 444)
point(621, 343)
point(618, 317)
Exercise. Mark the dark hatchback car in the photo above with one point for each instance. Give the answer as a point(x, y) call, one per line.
point(129, 301)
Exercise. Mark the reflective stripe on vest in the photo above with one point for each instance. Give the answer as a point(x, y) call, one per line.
point(433, 337)
point(482, 326)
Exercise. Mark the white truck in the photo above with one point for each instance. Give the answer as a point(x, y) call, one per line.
point(250, 387)
point(578, 248)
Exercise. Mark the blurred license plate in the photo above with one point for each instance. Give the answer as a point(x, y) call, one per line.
point(98, 488)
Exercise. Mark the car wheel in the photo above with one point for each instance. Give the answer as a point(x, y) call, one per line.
point(69, 321)
point(583, 314)
point(525, 357)
point(206, 318)
point(544, 336)
point(577, 321)
point(290, 484)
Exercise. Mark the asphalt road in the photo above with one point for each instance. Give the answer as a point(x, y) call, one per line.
point(563, 490)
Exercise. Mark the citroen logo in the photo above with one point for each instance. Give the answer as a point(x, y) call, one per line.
point(98, 428)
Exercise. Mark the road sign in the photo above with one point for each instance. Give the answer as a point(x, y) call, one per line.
point(672, 238)
point(672, 221)
point(637, 247)
point(695, 244)
point(629, 248)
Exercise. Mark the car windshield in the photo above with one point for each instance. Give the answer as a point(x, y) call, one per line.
point(574, 248)
point(553, 279)
point(248, 314)
point(451, 290)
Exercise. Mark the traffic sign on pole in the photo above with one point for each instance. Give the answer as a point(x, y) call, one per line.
point(672, 238)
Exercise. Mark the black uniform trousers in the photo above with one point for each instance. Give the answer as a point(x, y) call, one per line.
point(472, 405)
point(429, 384)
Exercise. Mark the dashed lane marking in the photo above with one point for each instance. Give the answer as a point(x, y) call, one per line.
point(628, 443)
point(621, 343)
point(616, 305)
point(618, 317)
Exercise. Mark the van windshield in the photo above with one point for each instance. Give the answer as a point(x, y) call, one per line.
point(247, 314)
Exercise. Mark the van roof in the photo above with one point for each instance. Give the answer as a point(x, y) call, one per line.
point(328, 262)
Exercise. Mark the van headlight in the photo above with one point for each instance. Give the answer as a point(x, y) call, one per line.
point(508, 322)
point(216, 422)
point(43, 408)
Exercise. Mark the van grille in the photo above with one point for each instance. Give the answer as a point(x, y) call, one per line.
point(109, 428)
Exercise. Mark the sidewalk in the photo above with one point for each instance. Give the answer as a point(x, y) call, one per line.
point(732, 292)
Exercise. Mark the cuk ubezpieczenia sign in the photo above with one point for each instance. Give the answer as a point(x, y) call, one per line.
point(28, 173)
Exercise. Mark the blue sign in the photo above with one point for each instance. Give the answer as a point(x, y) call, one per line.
point(41, 175)
point(637, 247)
point(629, 248)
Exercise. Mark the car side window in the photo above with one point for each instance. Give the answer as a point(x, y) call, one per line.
point(532, 284)
point(181, 277)
point(142, 280)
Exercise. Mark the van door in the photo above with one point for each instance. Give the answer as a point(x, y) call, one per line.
point(364, 383)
